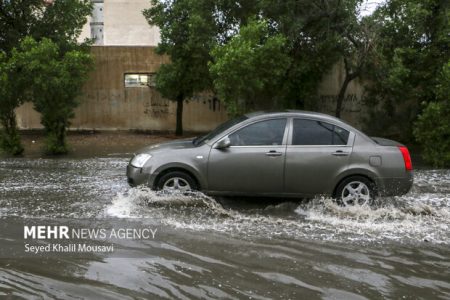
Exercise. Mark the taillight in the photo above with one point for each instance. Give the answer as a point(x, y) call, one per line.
point(406, 157)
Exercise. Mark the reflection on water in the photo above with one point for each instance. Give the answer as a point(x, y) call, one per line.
point(227, 248)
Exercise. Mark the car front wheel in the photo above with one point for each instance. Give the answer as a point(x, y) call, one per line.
point(355, 190)
point(177, 181)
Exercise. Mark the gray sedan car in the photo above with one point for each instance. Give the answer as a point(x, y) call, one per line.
point(280, 154)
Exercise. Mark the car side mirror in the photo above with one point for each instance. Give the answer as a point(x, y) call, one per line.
point(223, 143)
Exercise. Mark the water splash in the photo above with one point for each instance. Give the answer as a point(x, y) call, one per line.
point(143, 202)
point(416, 217)
point(97, 188)
point(393, 219)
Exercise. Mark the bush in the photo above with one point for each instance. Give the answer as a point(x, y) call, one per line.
point(11, 92)
point(432, 131)
point(10, 141)
point(57, 81)
point(55, 145)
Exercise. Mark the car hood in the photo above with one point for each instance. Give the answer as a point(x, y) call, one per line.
point(173, 145)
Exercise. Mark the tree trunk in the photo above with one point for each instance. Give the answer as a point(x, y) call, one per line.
point(340, 99)
point(9, 123)
point(179, 128)
point(61, 137)
point(341, 95)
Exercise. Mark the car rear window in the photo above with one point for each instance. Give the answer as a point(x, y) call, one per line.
point(313, 132)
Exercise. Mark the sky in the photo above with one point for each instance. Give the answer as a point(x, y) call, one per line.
point(369, 6)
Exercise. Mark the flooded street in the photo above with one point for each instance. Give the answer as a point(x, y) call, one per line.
point(222, 248)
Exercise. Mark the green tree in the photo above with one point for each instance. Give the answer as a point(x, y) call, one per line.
point(432, 129)
point(11, 96)
point(313, 32)
point(188, 32)
point(61, 21)
point(413, 45)
point(248, 69)
point(57, 81)
point(355, 42)
point(320, 34)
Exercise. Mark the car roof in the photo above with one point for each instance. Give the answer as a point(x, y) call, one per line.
point(294, 113)
point(261, 115)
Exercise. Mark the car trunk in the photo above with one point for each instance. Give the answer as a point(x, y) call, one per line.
point(385, 142)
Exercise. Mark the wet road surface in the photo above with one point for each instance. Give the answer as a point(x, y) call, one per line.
point(221, 248)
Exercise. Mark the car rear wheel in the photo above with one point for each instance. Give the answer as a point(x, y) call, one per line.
point(177, 181)
point(355, 190)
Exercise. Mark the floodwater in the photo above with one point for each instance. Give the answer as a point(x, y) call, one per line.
point(207, 248)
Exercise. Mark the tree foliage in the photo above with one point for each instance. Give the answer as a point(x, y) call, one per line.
point(10, 97)
point(191, 29)
point(412, 48)
point(432, 129)
point(248, 68)
point(57, 81)
point(60, 21)
point(273, 54)
point(356, 38)
point(310, 29)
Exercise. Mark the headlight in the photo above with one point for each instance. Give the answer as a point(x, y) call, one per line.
point(139, 160)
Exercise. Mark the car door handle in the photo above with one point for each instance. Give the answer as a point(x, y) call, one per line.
point(273, 153)
point(340, 153)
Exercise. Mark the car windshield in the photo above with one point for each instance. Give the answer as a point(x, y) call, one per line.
point(219, 129)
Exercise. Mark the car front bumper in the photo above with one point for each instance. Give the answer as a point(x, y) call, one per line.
point(138, 176)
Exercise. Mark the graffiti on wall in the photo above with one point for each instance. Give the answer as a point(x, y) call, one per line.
point(208, 99)
point(157, 108)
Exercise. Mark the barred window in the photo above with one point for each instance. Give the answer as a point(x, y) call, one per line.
point(140, 80)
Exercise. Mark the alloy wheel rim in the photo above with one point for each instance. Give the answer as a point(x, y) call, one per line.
point(355, 193)
point(176, 184)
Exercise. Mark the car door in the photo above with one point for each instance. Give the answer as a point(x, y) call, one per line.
point(316, 154)
point(253, 163)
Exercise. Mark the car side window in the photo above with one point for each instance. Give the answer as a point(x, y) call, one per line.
point(313, 132)
point(340, 136)
point(269, 132)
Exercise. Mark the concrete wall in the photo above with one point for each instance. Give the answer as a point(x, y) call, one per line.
point(353, 107)
point(106, 104)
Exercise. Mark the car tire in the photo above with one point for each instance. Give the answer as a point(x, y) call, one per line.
point(177, 181)
point(355, 190)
